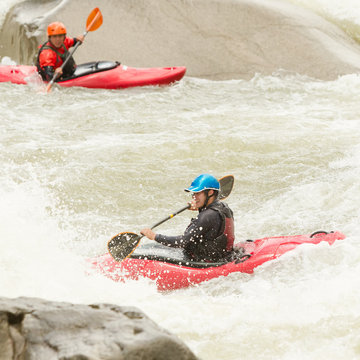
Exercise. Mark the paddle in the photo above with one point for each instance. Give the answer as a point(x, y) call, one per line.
point(124, 244)
point(93, 22)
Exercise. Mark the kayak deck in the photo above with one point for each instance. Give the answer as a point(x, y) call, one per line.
point(101, 75)
point(170, 270)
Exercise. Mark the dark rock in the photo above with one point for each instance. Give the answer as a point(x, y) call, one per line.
point(36, 329)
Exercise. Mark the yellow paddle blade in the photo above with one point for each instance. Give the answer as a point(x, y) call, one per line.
point(94, 20)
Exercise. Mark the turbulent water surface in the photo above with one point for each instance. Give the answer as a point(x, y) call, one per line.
point(80, 165)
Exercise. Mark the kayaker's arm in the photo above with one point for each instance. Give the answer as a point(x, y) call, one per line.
point(172, 241)
point(204, 226)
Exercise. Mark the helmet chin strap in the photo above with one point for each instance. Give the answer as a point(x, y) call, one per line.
point(208, 197)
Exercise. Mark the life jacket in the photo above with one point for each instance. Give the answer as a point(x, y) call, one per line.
point(68, 69)
point(219, 248)
point(227, 232)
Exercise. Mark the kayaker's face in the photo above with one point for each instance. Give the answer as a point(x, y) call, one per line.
point(200, 198)
point(57, 40)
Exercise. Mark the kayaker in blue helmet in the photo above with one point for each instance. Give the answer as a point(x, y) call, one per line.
point(210, 236)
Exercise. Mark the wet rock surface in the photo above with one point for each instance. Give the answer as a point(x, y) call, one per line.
point(36, 329)
point(215, 39)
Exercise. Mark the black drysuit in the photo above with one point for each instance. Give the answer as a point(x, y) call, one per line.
point(204, 238)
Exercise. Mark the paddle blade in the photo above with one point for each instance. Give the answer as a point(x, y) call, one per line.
point(48, 87)
point(122, 245)
point(50, 84)
point(226, 185)
point(94, 20)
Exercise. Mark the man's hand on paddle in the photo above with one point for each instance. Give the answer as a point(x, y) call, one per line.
point(80, 38)
point(193, 206)
point(148, 233)
point(58, 72)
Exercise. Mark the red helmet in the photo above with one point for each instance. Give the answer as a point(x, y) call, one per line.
point(56, 28)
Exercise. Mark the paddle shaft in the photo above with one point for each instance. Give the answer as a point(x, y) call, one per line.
point(168, 218)
point(124, 244)
point(56, 75)
point(222, 195)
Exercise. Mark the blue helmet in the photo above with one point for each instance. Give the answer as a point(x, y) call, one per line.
point(204, 182)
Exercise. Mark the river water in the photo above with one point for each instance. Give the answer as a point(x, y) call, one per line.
point(80, 165)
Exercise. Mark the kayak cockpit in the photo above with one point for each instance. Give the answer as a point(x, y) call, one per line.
point(158, 252)
point(92, 68)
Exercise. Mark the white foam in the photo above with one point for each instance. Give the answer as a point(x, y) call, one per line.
point(6, 60)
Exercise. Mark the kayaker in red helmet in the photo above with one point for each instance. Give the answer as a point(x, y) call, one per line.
point(54, 51)
point(210, 236)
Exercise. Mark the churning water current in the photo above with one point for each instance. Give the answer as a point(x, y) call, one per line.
point(80, 165)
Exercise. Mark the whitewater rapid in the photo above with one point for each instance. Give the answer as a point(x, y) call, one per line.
point(80, 165)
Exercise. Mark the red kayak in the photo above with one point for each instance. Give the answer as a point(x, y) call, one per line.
point(100, 75)
point(168, 268)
